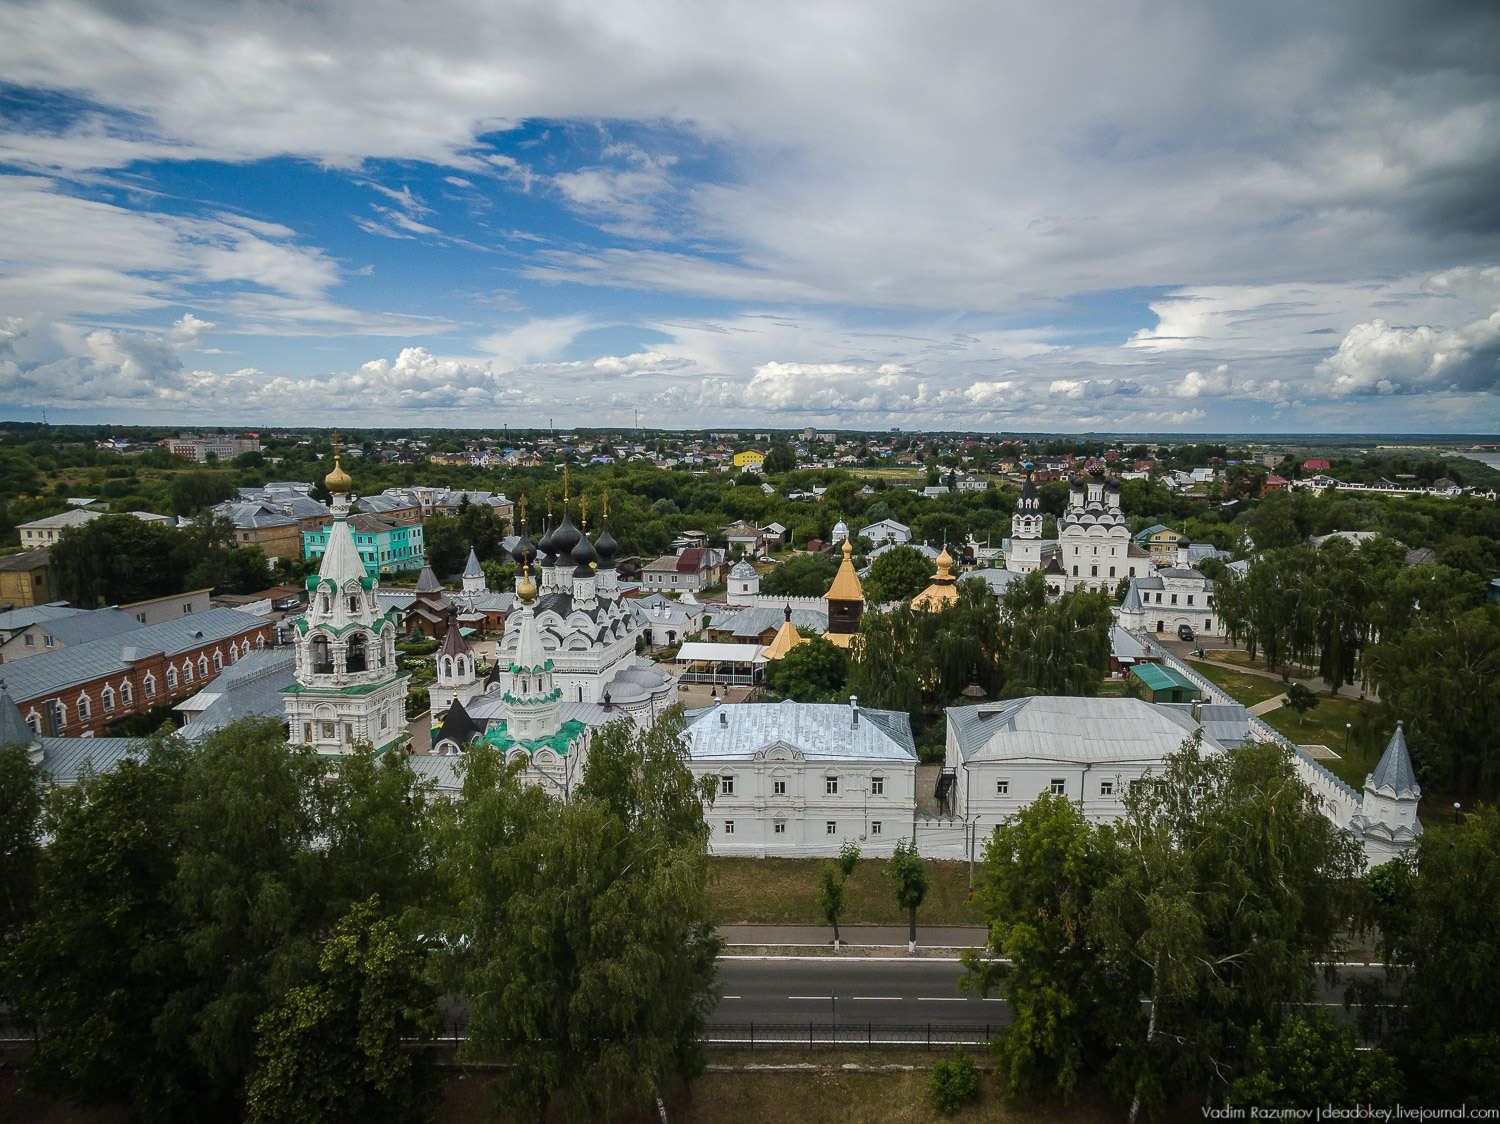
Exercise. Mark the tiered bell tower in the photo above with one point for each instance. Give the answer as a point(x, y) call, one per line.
point(349, 687)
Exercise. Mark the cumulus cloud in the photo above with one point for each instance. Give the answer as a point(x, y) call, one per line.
point(1195, 384)
point(1378, 358)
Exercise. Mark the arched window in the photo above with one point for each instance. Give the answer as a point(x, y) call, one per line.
point(171, 679)
point(34, 720)
point(203, 666)
point(107, 696)
point(127, 695)
point(322, 657)
point(218, 660)
point(150, 684)
point(353, 604)
point(260, 642)
point(355, 658)
point(59, 714)
point(84, 707)
point(187, 671)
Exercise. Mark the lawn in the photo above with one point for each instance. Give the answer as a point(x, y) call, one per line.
point(1242, 659)
point(1242, 687)
point(1324, 725)
point(785, 892)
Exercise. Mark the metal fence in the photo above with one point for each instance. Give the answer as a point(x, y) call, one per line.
point(930, 1035)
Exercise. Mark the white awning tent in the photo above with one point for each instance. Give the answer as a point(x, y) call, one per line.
point(740, 665)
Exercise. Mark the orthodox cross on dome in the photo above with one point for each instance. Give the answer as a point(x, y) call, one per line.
point(605, 505)
point(583, 512)
point(565, 489)
point(549, 507)
point(521, 514)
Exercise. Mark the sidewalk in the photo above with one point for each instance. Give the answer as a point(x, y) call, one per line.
point(867, 936)
point(1268, 705)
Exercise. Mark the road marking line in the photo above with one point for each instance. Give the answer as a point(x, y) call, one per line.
point(863, 959)
point(877, 998)
point(818, 998)
point(722, 997)
point(941, 999)
point(993, 999)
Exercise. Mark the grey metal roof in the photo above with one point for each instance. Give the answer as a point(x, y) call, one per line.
point(1123, 646)
point(13, 728)
point(17, 619)
point(66, 759)
point(996, 577)
point(1227, 723)
point(472, 568)
point(442, 771)
point(819, 731)
point(93, 624)
point(255, 514)
point(742, 571)
point(1132, 602)
point(251, 686)
point(750, 622)
point(1394, 770)
point(46, 672)
point(1052, 728)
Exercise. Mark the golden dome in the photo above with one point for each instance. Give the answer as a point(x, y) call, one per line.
point(337, 481)
point(846, 585)
point(526, 588)
point(944, 588)
point(944, 563)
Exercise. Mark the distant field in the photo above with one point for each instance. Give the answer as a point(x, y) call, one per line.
point(785, 892)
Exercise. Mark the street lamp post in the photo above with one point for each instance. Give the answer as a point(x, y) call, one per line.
point(1455, 812)
point(1348, 728)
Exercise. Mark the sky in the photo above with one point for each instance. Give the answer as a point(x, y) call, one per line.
point(1106, 215)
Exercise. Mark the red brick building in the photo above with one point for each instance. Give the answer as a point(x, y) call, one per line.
point(81, 690)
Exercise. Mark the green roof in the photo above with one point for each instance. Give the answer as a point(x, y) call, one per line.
point(1158, 678)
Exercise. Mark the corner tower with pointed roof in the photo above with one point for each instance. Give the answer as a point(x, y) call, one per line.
point(474, 580)
point(349, 687)
point(457, 677)
point(1386, 824)
point(846, 602)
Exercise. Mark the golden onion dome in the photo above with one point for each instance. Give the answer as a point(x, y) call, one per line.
point(526, 588)
point(337, 481)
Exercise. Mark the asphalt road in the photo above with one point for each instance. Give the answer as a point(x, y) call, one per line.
point(881, 991)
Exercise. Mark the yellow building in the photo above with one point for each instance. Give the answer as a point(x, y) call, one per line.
point(25, 580)
point(944, 588)
point(749, 459)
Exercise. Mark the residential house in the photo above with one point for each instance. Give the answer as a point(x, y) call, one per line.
point(693, 569)
point(25, 579)
point(55, 632)
point(885, 531)
point(385, 547)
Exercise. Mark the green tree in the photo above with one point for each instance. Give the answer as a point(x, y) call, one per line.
point(780, 458)
point(832, 899)
point(1069, 1006)
point(1060, 648)
point(814, 671)
point(102, 955)
point(248, 819)
point(1442, 678)
point(593, 945)
point(897, 575)
point(1312, 1060)
point(193, 492)
point(1440, 918)
point(1300, 699)
point(1274, 522)
point(21, 790)
point(802, 575)
point(907, 871)
point(336, 1049)
point(1221, 932)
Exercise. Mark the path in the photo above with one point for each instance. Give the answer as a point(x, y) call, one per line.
point(1268, 705)
point(1184, 649)
point(857, 936)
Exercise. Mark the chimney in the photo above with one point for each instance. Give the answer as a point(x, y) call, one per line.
point(854, 710)
point(1198, 711)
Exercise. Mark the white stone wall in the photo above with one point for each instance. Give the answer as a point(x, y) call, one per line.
point(805, 809)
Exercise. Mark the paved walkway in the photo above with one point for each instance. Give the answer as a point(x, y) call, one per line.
point(869, 936)
point(1268, 705)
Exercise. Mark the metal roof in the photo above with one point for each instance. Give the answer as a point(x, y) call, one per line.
point(47, 672)
point(66, 759)
point(819, 731)
point(1394, 770)
point(720, 653)
point(251, 686)
point(750, 622)
point(1159, 678)
point(1051, 728)
point(17, 619)
point(1123, 646)
point(92, 624)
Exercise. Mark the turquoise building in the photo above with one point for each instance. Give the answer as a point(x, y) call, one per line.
point(384, 547)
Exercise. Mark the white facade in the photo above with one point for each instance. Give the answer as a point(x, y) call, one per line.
point(744, 584)
point(349, 687)
point(804, 778)
point(1167, 598)
point(1093, 549)
point(886, 531)
point(1003, 755)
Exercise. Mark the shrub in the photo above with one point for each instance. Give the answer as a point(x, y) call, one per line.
point(955, 1083)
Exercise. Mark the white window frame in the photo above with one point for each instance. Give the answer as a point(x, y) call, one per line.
point(1002, 786)
point(1058, 786)
point(726, 784)
point(877, 786)
point(728, 827)
point(830, 786)
point(875, 826)
point(778, 787)
point(832, 827)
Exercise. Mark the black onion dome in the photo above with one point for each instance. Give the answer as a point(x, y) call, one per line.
point(565, 538)
point(523, 552)
point(549, 550)
point(1096, 469)
point(606, 548)
point(584, 559)
point(1112, 484)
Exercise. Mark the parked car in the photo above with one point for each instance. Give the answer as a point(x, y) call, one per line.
point(1184, 632)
